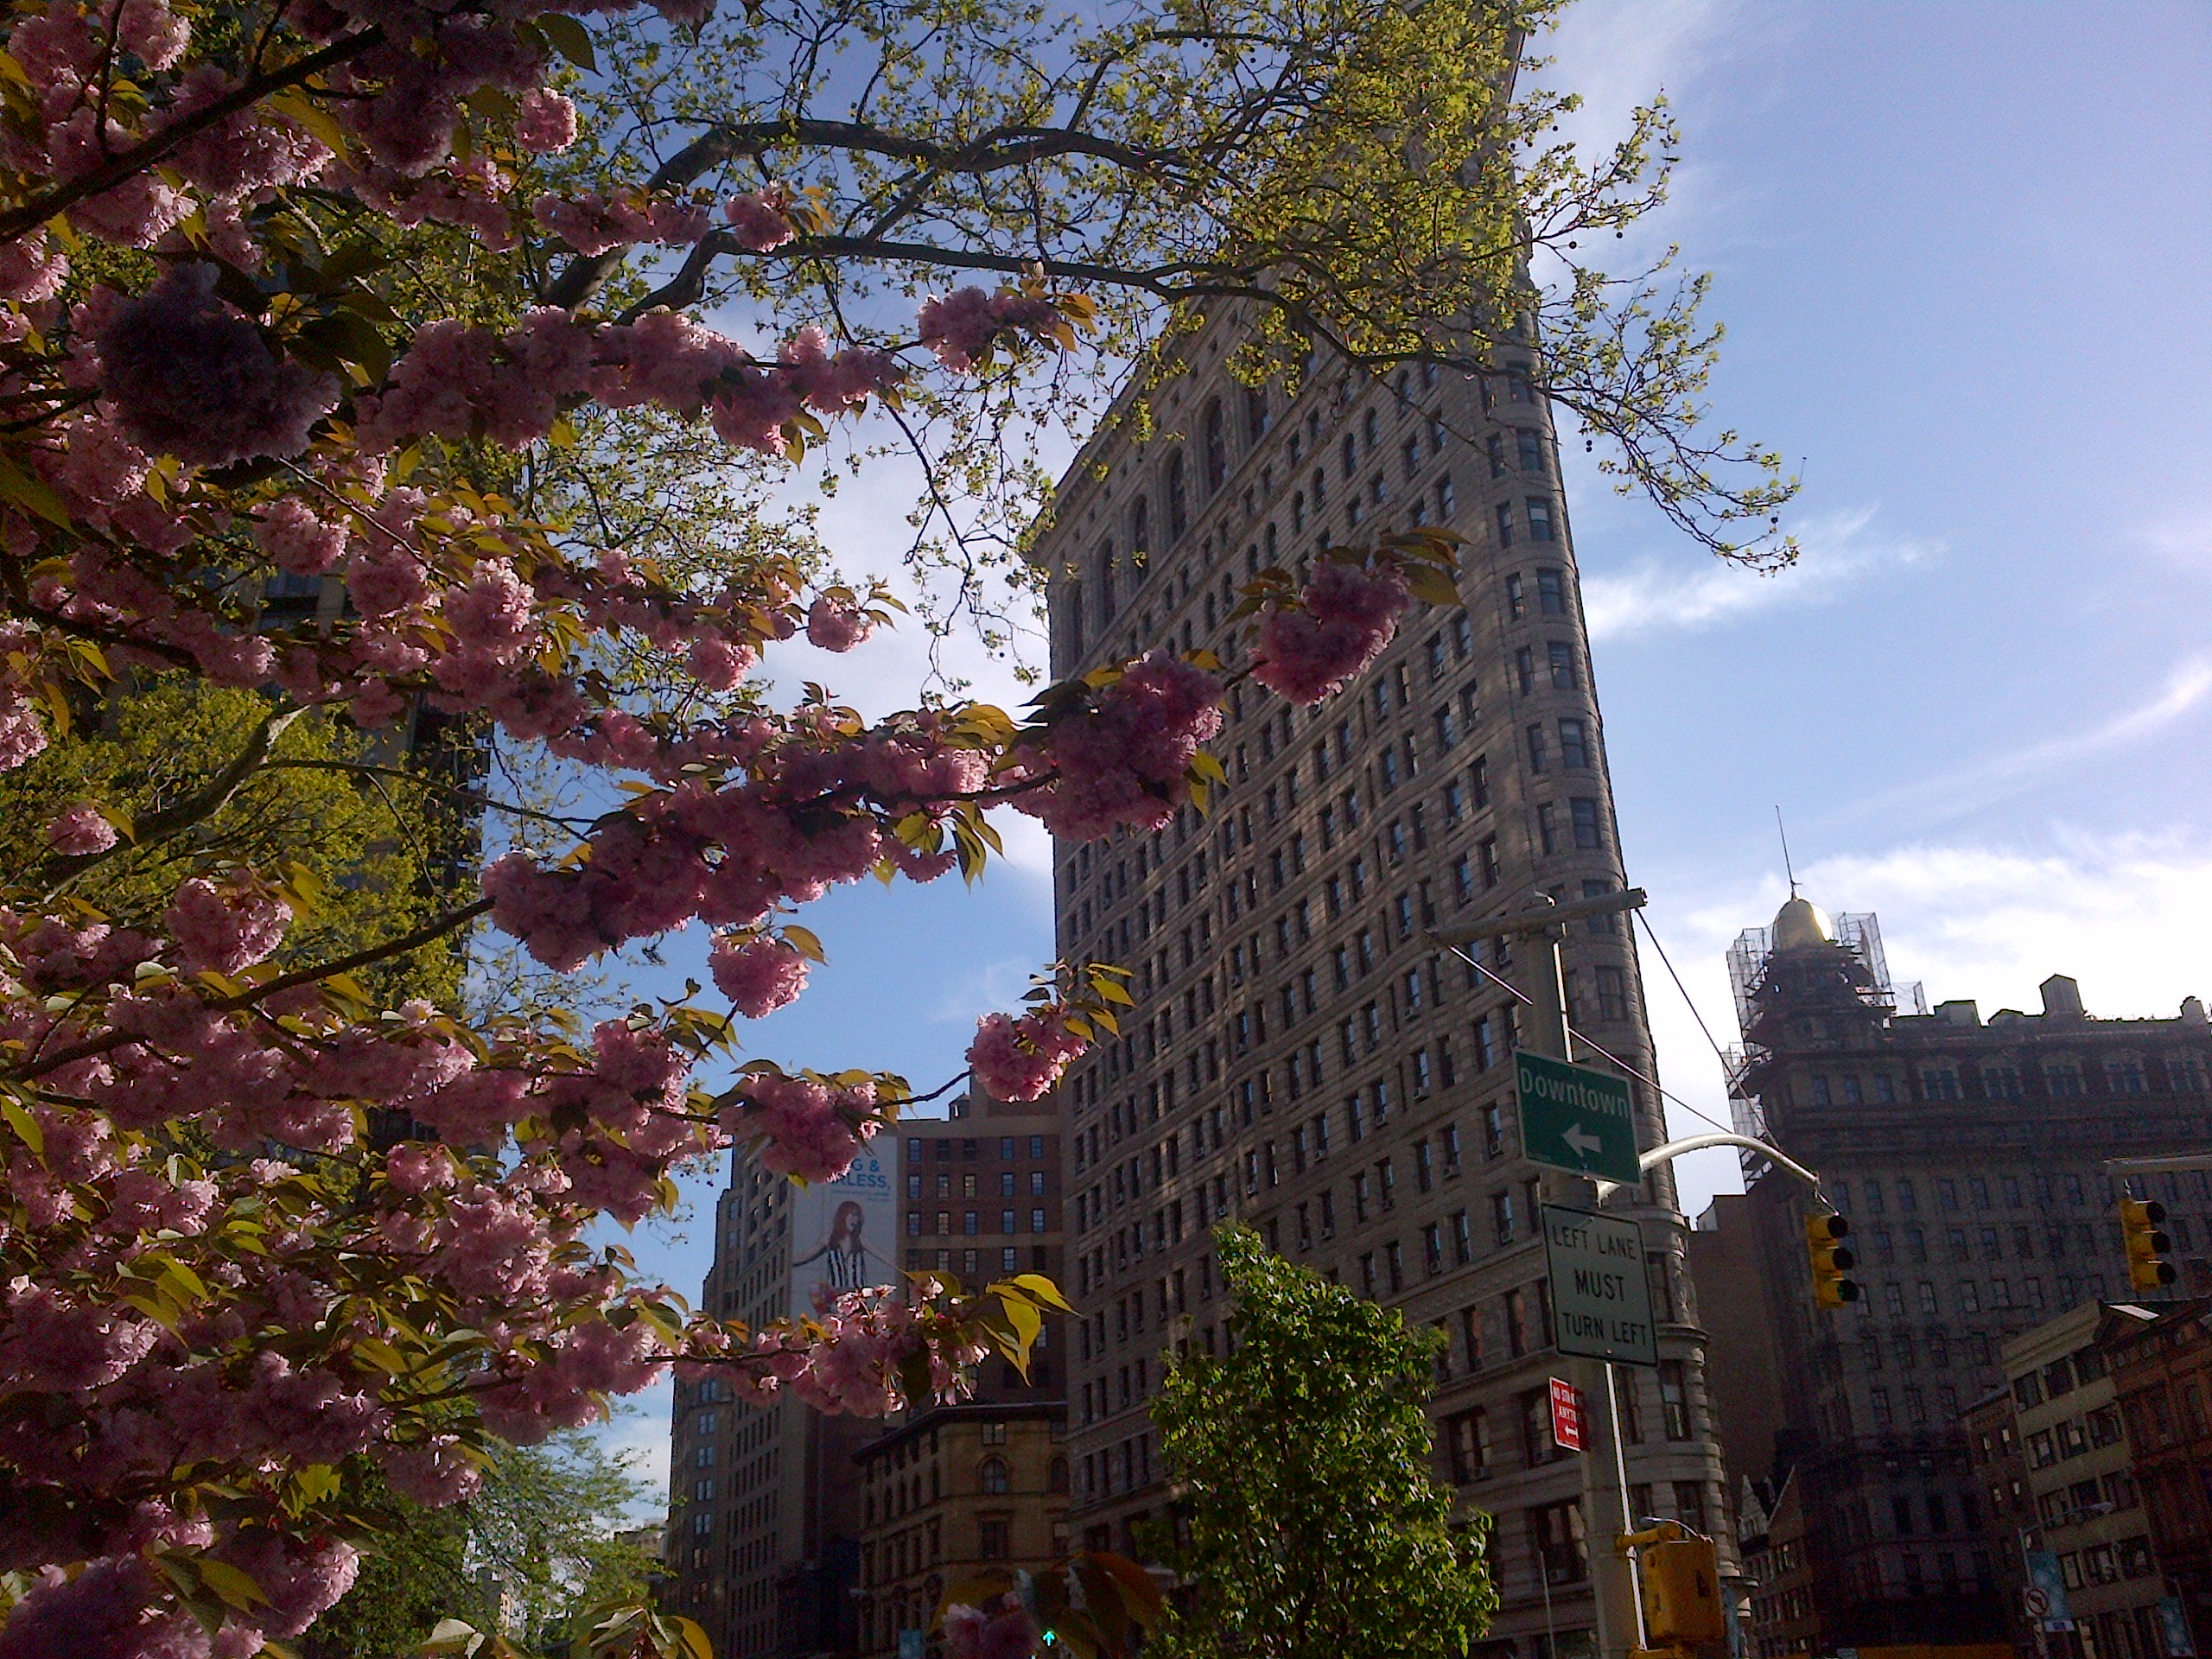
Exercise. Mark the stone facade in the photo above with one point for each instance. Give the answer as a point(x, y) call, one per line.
point(1969, 1156)
point(1303, 1057)
point(957, 1492)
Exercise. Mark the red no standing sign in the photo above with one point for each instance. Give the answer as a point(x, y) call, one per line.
point(1567, 1415)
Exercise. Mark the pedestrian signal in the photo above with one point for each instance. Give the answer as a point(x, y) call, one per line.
point(2146, 1246)
point(1831, 1260)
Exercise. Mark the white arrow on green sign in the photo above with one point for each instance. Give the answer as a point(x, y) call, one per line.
point(1576, 1119)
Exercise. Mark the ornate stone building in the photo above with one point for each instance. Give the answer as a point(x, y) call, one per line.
point(950, 1495)
point(1302, 1056)
point(1969, 1156)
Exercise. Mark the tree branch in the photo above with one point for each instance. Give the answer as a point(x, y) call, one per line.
point(144, 154)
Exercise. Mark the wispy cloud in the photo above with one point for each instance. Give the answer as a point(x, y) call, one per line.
point(1971, 787)
point(1659, 596)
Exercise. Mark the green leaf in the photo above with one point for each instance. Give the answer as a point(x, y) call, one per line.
point(235, 1587)
point(1037, 1285)
point(568, 38)
point(30, 494)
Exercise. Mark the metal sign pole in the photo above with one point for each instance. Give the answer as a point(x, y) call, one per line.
point(1628, 1514)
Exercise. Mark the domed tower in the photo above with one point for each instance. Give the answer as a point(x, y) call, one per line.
point(1809, 979)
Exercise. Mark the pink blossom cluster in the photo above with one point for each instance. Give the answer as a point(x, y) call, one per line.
point(806, 1127)
point(807, 816)
point(1122, 757)
point(458, 382)
point(999, 1629)
point(1020, 1060)
point(117, 1608)
point(1346, 615)
point(78, 830)
point(188, 375)
point(837, 625)
point(227, 928)
point(867, 1335)
point(759, 220)
point(758, 976)
point(594, 223)
point(962, 328)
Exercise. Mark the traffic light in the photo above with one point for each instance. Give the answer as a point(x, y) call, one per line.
point(1678, 1580)
point(2146, 1247)
point(1682, 1592)
point(1831, 1260)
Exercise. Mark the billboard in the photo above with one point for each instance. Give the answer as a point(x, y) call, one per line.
point(844, 1233)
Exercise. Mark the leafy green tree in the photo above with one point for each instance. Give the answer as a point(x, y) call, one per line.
point(538, 1546)
point(1314, 1530)
point(369, 842)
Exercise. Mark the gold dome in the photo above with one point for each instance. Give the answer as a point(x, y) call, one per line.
point(1800, 923)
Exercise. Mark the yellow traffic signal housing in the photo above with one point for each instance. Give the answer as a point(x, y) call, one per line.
point(1831, 1260)
point(2146, 1247)
point(1682, 1592)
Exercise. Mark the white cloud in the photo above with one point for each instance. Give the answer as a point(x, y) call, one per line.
point(1657, 594)
point(2125, 915)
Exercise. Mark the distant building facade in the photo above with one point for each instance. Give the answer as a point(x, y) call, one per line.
point(2051, 1452)
point(954, 1493)
point(954, 1489)
point(1968, 1158)
point(1770, 1526)
point(1302, 1057)
point(2162, 1377)
point(767, 1510)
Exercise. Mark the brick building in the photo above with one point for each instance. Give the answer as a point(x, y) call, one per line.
point(1770, 1526)
point(1969, 1156)
point(2162, 1376)
point(2052, 1454)
point(1302, 1056)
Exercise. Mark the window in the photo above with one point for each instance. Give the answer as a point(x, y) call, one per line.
point(1674, 1399)
point(993, 1537)
point(1505, 524)
point(1468, 1438)
point(1556, 1541)
point(1573, 745)
point(1216, 447)
point(1530, 444)
point(1536, 749)
point(994, 1476)
point(1589, 830)
point(1551, 593)
point(1560, 655)
point(1540, 520)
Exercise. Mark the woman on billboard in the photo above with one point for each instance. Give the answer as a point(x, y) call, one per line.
point(842, 1252)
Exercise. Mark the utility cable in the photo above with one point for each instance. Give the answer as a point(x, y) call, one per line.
point(1589, 1041)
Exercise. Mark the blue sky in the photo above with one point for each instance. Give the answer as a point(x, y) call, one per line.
point(1962, 252)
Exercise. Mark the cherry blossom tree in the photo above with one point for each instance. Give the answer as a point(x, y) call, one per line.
point(343, 292)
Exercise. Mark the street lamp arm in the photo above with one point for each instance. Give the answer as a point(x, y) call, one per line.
point(1674, 1149)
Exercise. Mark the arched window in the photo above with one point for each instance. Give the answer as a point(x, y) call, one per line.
point(1217, 434)
point(1139, 536)
point(994, 1476)
point(1178, 516)
point(1255, 413)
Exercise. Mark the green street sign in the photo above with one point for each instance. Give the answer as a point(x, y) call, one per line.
point(1601, 1300)
point(1575, 1118)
